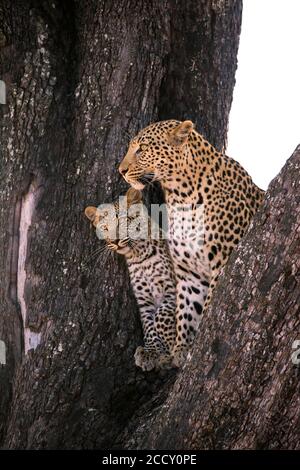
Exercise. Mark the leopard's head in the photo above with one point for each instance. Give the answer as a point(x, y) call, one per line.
point(155, 151)
point(115, 222)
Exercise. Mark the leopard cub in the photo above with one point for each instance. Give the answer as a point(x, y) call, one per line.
point(151, 273)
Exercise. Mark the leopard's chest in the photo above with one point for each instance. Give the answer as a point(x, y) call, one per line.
point(148, 278)
point(187, 236)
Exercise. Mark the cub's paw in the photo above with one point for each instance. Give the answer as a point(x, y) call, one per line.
point(179, 356)
point(146, 360)
point(165, 361)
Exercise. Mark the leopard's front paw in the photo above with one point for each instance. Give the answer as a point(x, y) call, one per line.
point(165, 361)
point(179, 356)
point(145, 359)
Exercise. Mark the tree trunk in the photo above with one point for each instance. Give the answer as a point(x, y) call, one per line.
point(241, 388)
point(80, 76)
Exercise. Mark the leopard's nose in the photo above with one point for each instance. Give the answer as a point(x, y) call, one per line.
point(123, 171)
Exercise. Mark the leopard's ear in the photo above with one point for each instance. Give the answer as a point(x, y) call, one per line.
point(181, 133)
point(133, 196)
point(90, 213)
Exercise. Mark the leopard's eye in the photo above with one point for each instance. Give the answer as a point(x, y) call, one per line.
point(143, 147)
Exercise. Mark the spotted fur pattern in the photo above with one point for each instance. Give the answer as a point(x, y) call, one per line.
point(221, 198)
point(152, 278)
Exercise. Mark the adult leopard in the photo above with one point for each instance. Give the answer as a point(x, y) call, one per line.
point(210, 200)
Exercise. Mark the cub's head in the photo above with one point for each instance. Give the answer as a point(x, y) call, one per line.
point(115, 222)
point(154, 152)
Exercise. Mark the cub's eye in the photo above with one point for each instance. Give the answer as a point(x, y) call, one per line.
point(103, 215)
point(143, 147)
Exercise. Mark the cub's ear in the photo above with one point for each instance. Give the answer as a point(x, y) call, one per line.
point(180, 134)
point(133, 196)
point(91, 212)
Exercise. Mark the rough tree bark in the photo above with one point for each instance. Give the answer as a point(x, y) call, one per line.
point(241, 388)
point(79, 76)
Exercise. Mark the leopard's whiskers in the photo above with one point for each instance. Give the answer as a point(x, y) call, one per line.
point(103, 256)
point(94, 253)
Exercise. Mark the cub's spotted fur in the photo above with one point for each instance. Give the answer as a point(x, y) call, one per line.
point(152, 277)
point(220, 197)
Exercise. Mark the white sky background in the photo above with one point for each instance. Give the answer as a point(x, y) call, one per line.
point(264, 124)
